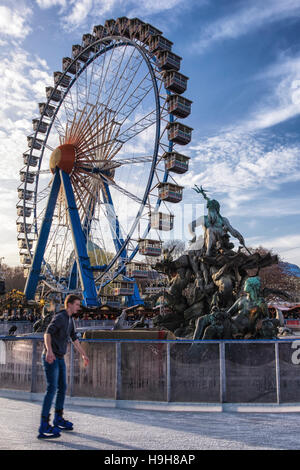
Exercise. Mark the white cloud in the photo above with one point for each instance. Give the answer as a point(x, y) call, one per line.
point(51, 3)
point(246, 172)
point(14, 22)
point(288, 246)
point(156, 6)
point(23, 79)
point(80, 10)
point(237, 160)
point(247, 19)
point(75, 13)
point(283, 100)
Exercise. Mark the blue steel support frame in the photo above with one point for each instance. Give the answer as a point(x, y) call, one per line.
point(118, 242)
point(86, 230)
point(34, 275)
point(79, 240)
point(115, 230)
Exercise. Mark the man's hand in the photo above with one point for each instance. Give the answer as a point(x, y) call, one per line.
point(81, 351)
point(85, 360)
point(50, 357)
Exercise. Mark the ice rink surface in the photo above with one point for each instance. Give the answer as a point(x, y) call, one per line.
point(98, 428)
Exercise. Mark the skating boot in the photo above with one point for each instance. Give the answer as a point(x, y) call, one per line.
point(47, 431)
point(61, 423)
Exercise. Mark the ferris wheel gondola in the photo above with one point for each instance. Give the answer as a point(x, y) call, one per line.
point(98, 174)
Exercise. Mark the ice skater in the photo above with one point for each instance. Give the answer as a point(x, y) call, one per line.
point(56, 339)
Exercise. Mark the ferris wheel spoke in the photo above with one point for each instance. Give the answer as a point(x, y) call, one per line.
point(133, 70)
point(109, 181)
point(122, 190)
point(104, 74)
point(113, 220)
point(69, 107)
point(117, 77)
point(46, 146)
point(83, 191)
point(82, 126)
point(79, 199)
point(60, 127)
point(93, 73)
point(98, 138)
point(138, 127)
point(55, 248)
point(78, 125)
point(125, 82)
point(112, 164)
point(61, 255)
point(41, 195)
point(137, 95)
point(55, 233)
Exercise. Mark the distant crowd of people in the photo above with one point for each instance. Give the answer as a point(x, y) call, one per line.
point(32, 317)
point(35, 316)
point(20, 316)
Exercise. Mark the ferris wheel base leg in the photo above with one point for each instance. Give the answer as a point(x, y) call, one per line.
point(135, 299)
point(92, 302)
point(34, 274)
point(79, 240)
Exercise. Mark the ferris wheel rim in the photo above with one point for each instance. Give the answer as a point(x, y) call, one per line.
point(84, 66)
point(145, 54)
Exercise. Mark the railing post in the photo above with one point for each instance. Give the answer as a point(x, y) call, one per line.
point(277, 365)
point(118, 384)
point(33, 366)
point(71, 386)
point(222, 372)
point(168, 373)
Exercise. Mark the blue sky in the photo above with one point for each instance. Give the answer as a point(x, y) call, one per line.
point(243, 62)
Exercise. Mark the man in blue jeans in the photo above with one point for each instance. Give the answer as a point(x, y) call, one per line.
point(56, 340)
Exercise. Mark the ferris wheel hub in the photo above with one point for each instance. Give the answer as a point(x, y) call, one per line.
point(63, 157)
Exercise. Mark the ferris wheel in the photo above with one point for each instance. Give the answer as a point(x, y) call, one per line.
point(98, 183)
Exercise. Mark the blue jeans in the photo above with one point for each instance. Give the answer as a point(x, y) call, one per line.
point(56, 382)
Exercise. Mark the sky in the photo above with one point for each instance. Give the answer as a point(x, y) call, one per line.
point(242, 58)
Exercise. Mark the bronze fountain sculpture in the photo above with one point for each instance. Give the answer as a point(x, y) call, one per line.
point(211, 294)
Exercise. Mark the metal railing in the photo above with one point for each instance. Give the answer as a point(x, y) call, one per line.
point(22, 326)
point(27, 326)
point(163, 370)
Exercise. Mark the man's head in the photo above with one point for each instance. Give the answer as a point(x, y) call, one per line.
point(72, 303)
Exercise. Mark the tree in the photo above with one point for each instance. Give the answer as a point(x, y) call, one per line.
point(276, 277)
point(14, 277)
point(179, 247)
point(99, 257)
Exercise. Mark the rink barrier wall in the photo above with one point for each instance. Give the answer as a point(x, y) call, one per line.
point(170, 373)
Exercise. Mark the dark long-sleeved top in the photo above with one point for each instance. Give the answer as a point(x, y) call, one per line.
point(61, 328)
